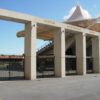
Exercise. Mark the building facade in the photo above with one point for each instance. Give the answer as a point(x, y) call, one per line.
point(59, 33)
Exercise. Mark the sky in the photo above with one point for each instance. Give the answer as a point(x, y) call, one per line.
point(50, 9)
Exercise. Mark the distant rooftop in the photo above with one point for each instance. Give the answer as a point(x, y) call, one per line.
point(11, 57)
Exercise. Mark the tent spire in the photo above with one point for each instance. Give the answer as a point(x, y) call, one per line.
point(78, 3)
point(79, 14)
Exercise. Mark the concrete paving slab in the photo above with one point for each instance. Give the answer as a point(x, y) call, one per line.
point(69, 88)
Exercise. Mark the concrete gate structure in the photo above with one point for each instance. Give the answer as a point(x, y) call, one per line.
point(51, 30)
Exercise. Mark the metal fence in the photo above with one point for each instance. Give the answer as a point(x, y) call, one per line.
point(70, 64)
point(11, 69)
point(89, 64)
point(45, 66)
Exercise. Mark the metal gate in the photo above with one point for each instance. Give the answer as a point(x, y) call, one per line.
point(45, 66)
point(70, 65)
point(89, 64)
point(11, 69)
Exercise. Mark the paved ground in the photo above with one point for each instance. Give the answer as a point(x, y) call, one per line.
point(69, 88)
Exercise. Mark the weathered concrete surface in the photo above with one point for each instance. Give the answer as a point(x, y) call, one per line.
point(59, 53)
point(30, 50)
point(68, 88)
point(96, 54)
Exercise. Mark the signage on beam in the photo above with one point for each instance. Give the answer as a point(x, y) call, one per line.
point(74, 28)
point(49, 21)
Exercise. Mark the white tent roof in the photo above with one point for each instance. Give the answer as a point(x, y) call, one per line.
point(79, 14)
point(81, 17)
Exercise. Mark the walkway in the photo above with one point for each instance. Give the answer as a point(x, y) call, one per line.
point(68, 88)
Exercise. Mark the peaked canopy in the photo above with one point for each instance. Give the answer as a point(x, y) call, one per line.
point(81, 17)
point(79, 14)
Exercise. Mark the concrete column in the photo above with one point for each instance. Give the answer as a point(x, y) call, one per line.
point(59, 52)
point(81, 53)
point(30, 50)
point(96, 54)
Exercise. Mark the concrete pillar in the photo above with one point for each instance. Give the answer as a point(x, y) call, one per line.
point(96, 54)
point(81, 53)
point(59, 52)
point(30, 50)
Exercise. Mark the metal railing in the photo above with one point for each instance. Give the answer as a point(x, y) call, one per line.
point(45, 65)
point(45, 46)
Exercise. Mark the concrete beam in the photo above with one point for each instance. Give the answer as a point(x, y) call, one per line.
point(24, 18)
point(14, 16)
